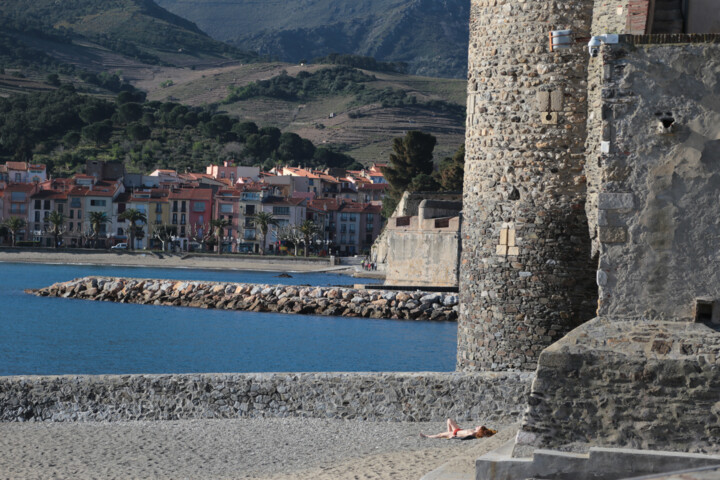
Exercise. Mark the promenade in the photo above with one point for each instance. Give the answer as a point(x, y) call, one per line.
point(172, 260)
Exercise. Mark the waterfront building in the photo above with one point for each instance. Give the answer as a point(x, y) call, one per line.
point(349, 228)
point(190, 212)
point(288, 212)
point(16, 203)
point(153, 202)
point(42, 202)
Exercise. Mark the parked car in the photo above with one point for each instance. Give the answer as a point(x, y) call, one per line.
point(194, 247)
point(119, 246)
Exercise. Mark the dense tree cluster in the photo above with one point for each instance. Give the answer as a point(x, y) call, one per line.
point(63, 128)
point(337, 81)
point(359, 61)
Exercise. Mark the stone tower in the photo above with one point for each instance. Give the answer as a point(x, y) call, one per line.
point(526, 274)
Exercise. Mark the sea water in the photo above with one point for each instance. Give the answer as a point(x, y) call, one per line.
point(55, 336)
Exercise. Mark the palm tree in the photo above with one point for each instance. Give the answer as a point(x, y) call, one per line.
point(219, 224)
point(14, 225)
point(97, 220)
point(58, 225)
point(133, 215)
point(263, 220)
point(308, 229)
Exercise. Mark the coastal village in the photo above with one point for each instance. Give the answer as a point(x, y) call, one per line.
point(193, 211)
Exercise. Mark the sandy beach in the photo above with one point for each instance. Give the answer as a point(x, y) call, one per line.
point(289, 448)
point(166, 260)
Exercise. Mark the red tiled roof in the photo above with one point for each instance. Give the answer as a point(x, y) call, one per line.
point(374, 186)
point(191, 194)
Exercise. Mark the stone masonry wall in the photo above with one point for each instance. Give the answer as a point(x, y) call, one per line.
point(631, 384)
point(653, 177)
point(526, 273)
point(333, 301)
point(492, 398)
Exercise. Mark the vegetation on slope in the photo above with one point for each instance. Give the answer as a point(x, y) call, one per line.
point(336, 81)
point(63, 129)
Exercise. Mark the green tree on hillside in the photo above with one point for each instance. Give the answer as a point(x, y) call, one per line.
point(451, 171)
point(412, 155)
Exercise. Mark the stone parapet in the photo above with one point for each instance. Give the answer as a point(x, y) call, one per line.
point(492, 398)
point(331, 301)
point(635, 384)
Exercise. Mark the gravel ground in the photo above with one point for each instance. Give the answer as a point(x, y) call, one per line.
point(289, 448)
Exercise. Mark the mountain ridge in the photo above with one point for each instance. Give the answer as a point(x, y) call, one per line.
point(430, 36)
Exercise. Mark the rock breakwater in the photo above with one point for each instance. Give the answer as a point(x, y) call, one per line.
point(331, 301)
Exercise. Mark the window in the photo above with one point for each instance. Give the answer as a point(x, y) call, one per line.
point(352, 228)
point(183, 206)
point(120, 232)
point(158, 218)
point(251, 196)
point(60, 208)
point(98, 203)
point(182, 231)
point(343, 228)
point(311, 181)
point(175, 205)
point(46, 216)
point(369, 227)
point(344, 216)
point(182, 219)
point(249, 209)
point(201, 219)
point(72, 214)
point(222, 174)
point(37, 204)
point(199, 207)
point(79, 226)
point(226, 208)
point(352, 238)
point(18, 197)
point(343, 239)
point(46, 205)
point(174, 219)
point(249, 234)
point(75, 203)
point(37, 216)
point(70, 225)
point(18, 208)
point(281, 210)
point(158, 208)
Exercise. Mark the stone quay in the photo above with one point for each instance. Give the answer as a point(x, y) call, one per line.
point(306, 300)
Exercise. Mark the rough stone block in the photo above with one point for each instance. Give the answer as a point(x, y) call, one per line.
point(513, 251)
point(613, 234)
point(616, 201)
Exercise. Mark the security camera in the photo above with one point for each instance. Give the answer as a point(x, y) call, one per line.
point(597, 40)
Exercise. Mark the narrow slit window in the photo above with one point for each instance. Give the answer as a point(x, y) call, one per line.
point(703, 311)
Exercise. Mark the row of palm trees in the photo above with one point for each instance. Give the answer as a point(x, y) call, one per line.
point(263, 220)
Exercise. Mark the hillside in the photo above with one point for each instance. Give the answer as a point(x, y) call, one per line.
point(363, 130)
point(138, 29)
point(430, 35)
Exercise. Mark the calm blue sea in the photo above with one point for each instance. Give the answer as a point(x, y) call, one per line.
point(52, 336)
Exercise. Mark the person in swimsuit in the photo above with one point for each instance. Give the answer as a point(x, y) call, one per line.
point(454, 431)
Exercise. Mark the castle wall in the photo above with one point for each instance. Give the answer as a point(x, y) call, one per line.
point(424, 252)
point(489, 397)
point(526, 275)
point(653, 191)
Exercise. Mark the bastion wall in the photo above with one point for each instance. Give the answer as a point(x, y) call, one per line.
point(527, 276)
point(494, 398)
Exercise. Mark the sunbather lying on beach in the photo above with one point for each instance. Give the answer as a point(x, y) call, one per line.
point(454, 431)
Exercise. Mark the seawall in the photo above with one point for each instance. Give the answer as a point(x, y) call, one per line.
point(332, 301)
point(487, 397)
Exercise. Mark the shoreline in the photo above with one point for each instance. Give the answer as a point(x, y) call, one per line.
point(152, 260)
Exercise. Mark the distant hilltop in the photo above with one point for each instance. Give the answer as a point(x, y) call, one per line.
point(430, 36)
